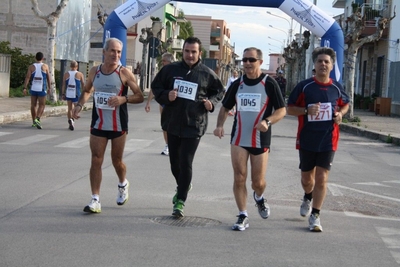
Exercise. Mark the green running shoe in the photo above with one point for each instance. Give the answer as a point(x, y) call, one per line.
point(176, 194)
point(178, 209)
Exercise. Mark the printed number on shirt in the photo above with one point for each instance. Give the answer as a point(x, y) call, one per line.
point(101, 100)
point(325, 113)
point(249, 102)
point(187, 90)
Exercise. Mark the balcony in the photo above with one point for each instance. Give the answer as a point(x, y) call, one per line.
point(339, 3)
point(214, 48)
point(177, 44)
point(215, 33)
point(371, 15)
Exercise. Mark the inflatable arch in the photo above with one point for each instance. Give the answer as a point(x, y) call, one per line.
point(303, 11)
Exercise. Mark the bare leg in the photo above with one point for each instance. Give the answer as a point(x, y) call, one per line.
point(239, 157)
point(98, 147)
point(117, 152)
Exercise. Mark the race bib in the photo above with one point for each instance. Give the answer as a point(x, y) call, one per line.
point(37, 84)
point(101, 100)
point(325, 113)
point(71, 91)
point(187, 90)
point(249, 102)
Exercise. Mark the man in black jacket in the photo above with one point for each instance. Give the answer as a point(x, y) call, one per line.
point(189, 90)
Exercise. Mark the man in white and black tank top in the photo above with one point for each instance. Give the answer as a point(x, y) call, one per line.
point(38, 77)
point(259, 104)
point(109, 118)
point(73, 82)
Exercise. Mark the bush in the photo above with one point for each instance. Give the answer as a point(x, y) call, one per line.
point(19, 63)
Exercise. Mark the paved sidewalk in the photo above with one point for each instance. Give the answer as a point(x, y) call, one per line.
point(386, 129)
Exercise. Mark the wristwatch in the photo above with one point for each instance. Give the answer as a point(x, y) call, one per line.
point(268, 122)
point(306, 111)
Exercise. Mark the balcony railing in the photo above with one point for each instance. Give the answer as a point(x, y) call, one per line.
point(371, 12)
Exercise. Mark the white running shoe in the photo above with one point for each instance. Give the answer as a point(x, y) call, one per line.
point(241, 224)
point(165, 151)
point(305, 208)
point(93, 207)
point(314, 223)
point(123, 194)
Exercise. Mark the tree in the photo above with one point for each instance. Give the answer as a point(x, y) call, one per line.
point(51, 21)
point(355, 26)
point(19, 63)
point(295, 57)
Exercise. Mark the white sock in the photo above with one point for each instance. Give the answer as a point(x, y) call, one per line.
point(123, 184)
point(96, 196)
point(243, 212)
point(258, 198)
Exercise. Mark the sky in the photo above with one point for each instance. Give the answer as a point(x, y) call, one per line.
point(249, 26)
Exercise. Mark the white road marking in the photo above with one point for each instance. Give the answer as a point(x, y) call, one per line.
point(359, 215)
point(77, 143)
point(366, 193)
point(4, 133)
point(29, 140)
point(335, 191)
point(393, 181)
point(391, 238)
point(373, 183)
point(136, 144)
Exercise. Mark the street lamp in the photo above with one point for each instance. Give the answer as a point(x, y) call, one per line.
point(283, 43)
point(290, 25)
point(274, 46)
point(287, 35)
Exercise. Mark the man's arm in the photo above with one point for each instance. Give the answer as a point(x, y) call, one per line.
point(129, 79)
point(222, 115)
point(85, 93)
point(47, 76)
point(27, 78)
point(65, 77)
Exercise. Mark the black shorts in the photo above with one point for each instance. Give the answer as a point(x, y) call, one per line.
point(107, 134)
point(310, 159)
point(256, 151)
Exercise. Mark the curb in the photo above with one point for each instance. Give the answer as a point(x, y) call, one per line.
point(385, 137)
point(11, 117)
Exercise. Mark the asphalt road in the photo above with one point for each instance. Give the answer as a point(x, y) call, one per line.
point(44, 186)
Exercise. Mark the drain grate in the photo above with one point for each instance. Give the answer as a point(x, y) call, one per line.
point(186, 221)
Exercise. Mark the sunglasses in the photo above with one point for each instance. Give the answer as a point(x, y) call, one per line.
point(250, 59)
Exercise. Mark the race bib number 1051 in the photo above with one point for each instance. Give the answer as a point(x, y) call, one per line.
point(101, 100)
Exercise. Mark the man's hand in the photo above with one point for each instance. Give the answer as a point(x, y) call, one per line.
point(219, 132)
point(207, 104)
point(173, 94)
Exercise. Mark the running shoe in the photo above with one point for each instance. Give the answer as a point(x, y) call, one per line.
point(314, 223)
point(263, 207)
point(305, 208)
point(71, 124)
point(178, 209)
point(38, 125)
point(123, 194)
point(165, 151)
point(242, 223)
point(176, 194)
point(93, 207)
point(34, 124)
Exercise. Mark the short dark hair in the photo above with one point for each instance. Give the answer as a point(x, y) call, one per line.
point(39, 56)
point(324, 51)
point(193, 40)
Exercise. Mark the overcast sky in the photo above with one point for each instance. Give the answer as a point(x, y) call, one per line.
point(250, 25)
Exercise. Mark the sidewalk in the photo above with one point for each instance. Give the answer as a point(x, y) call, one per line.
point(386, 129)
